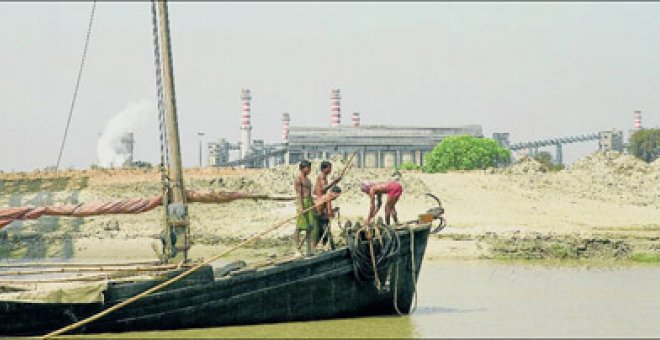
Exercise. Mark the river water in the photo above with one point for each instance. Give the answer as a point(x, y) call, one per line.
point(486, 299)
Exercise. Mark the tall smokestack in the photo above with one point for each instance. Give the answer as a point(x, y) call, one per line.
point(246, 126)
point(336, 110)
point(355, 120)
point(285, 127)
point(125, 150)
point(637, 120)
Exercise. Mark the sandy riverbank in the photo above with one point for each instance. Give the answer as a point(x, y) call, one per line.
point(606, 206)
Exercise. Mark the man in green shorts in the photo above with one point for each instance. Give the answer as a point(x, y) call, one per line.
point(304, 200)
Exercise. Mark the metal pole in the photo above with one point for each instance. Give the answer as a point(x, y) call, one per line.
point(200, 134)
point(179, 220)
point(559, 157)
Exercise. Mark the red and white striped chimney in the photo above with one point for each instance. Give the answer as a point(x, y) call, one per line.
point(355, 120)
point(336, 110)
point(246, 126)
point(637, 120)
point(285, 127)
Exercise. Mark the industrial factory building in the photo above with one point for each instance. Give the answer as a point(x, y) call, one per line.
point(377, 146)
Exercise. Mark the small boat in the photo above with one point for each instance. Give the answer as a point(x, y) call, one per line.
point(375, 272)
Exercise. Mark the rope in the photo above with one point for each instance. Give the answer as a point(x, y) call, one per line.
point(164, 161)
point(180, 276)
point(128, 206)
point(396, 286)
point(412, 259)
point(373, 262)
point(75, 91)
point(414, 280)
point(360, 253)
point(166, 238)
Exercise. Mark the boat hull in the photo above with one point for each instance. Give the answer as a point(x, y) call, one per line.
point(318, 287)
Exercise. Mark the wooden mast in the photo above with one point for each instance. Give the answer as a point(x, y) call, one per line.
point(178, 223)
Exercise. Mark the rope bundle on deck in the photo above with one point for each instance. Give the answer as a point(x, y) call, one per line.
point(386, 246)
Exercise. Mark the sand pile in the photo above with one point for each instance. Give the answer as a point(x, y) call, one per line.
point(614, 174)
point(611, 163)
point(279, 180)
point(607, 176)
point(655, 165)
point(526, 165)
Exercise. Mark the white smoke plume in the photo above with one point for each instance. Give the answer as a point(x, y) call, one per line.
point(110, 150)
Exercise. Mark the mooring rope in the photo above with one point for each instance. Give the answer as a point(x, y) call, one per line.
point(396, 286)
point(413, 272)
point(414, 280)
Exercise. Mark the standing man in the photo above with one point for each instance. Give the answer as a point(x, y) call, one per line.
point(306, 221)
point(393, 189)
point(324, 212)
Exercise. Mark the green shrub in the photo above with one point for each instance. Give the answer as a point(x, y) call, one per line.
point(408, 166)
point(465, 153)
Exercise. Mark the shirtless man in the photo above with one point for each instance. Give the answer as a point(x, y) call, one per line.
point(393, 189)
point(324, 212)
point(306, 221)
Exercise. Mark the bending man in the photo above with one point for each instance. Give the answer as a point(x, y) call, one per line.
point(393, 189)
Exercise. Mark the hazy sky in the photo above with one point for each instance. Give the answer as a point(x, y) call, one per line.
point(535, 70)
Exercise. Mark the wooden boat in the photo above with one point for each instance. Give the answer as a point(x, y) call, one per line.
point(329, 284)
point(318, 287)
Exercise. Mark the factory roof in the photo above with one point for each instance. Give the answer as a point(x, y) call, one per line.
point(377, 134)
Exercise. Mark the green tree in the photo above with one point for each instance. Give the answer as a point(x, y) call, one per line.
point(465, 153)
point(645, 144)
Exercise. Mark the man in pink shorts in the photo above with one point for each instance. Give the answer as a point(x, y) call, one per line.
point(375, 191)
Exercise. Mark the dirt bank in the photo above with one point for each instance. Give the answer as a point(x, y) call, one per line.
point(606, 206)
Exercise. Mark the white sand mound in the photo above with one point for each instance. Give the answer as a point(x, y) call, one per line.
point(607, 175)
point(526, 165)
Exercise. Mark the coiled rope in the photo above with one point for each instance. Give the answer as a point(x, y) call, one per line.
point(365, 266)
